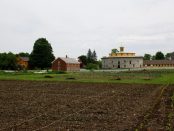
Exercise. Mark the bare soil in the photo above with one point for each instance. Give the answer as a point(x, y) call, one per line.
point(51, 106)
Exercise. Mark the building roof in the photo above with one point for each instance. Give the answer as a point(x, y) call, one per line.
point(158, 62)
point(24, 58)
point(68, 60)
point(122, 57)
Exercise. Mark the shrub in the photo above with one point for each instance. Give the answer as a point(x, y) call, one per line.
point(48, 76)
point(92, 66)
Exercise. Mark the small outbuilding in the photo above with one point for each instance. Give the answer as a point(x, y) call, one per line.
point(65, 64)
point(23, 62)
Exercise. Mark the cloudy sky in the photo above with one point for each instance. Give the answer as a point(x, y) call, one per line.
point(74, 26)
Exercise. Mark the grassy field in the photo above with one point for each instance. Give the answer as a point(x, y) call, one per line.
point(144, 76)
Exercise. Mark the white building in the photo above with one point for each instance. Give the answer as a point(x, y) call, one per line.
point(121, 59)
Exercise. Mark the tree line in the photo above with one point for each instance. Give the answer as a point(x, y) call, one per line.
point(159, 56)
point(40, 57)
point(89, 61)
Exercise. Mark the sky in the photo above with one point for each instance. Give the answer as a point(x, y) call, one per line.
point(74, 26)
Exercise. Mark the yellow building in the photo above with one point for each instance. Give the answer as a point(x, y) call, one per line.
point(23, 62)
point(121, 53)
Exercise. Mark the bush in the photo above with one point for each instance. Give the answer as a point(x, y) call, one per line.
point(92, 66)
point(48, 76)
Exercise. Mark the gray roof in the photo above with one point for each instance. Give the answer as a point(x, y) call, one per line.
point(157, 62)
point(68, 60)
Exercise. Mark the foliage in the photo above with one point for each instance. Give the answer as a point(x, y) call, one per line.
point(23, 54)
point(42, 54)
point(91, 66)
point(114, 51)
point(83, 59)
point(8, 61)
point(91, 56)
point(147, 57)
point(159, 56)
point(169, 56)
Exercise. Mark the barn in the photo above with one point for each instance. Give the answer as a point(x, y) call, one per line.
point(65, 64)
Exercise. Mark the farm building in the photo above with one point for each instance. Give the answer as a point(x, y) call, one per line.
point(23, 62)
point(121, 59)
point(158, 63)
point(65, 64)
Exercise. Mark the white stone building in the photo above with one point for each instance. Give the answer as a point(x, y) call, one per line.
point(121, 59)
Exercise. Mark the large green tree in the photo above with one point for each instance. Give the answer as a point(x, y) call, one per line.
point(42, 54)
point(159, 56)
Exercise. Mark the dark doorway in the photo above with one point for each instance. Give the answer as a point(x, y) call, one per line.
point(118, 64)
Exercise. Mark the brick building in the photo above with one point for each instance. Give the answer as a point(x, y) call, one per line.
point(65, 64)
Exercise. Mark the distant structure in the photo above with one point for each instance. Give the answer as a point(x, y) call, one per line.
point(122, 59)
point(23, 62)
point(65, 64)
point(158, 63)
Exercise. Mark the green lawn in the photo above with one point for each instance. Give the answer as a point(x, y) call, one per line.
point(144, 77)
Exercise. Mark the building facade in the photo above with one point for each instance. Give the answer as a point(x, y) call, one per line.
point(23, 62)
point(121, 59)
point(158, 63)
point(65, 64)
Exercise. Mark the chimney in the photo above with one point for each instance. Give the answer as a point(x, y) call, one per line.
point(121, 49)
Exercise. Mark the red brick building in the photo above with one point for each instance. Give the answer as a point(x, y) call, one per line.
point(65, 64)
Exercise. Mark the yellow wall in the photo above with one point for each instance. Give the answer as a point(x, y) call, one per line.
point(122, 54)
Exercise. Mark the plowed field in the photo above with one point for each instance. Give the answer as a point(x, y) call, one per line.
point(32, 106)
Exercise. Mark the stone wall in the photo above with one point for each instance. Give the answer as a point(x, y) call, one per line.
point(118, 62)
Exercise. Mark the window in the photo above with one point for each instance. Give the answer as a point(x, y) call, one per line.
point(130, 62)
point(124, 61)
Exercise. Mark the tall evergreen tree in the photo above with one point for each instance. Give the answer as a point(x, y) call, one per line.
point(89, 56)
point(42, 54)
point(94, 56)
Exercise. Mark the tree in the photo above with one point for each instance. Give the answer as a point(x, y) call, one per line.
point(8, 61)
point(83, 59)
point(89, 56)
point(153, 57)
point(94, 56)
point(147, 57)
point(159, 56)
point(23, 54)
point(42, 54)
point(169, 56)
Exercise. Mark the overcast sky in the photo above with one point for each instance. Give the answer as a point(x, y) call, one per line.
point(74, 26)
